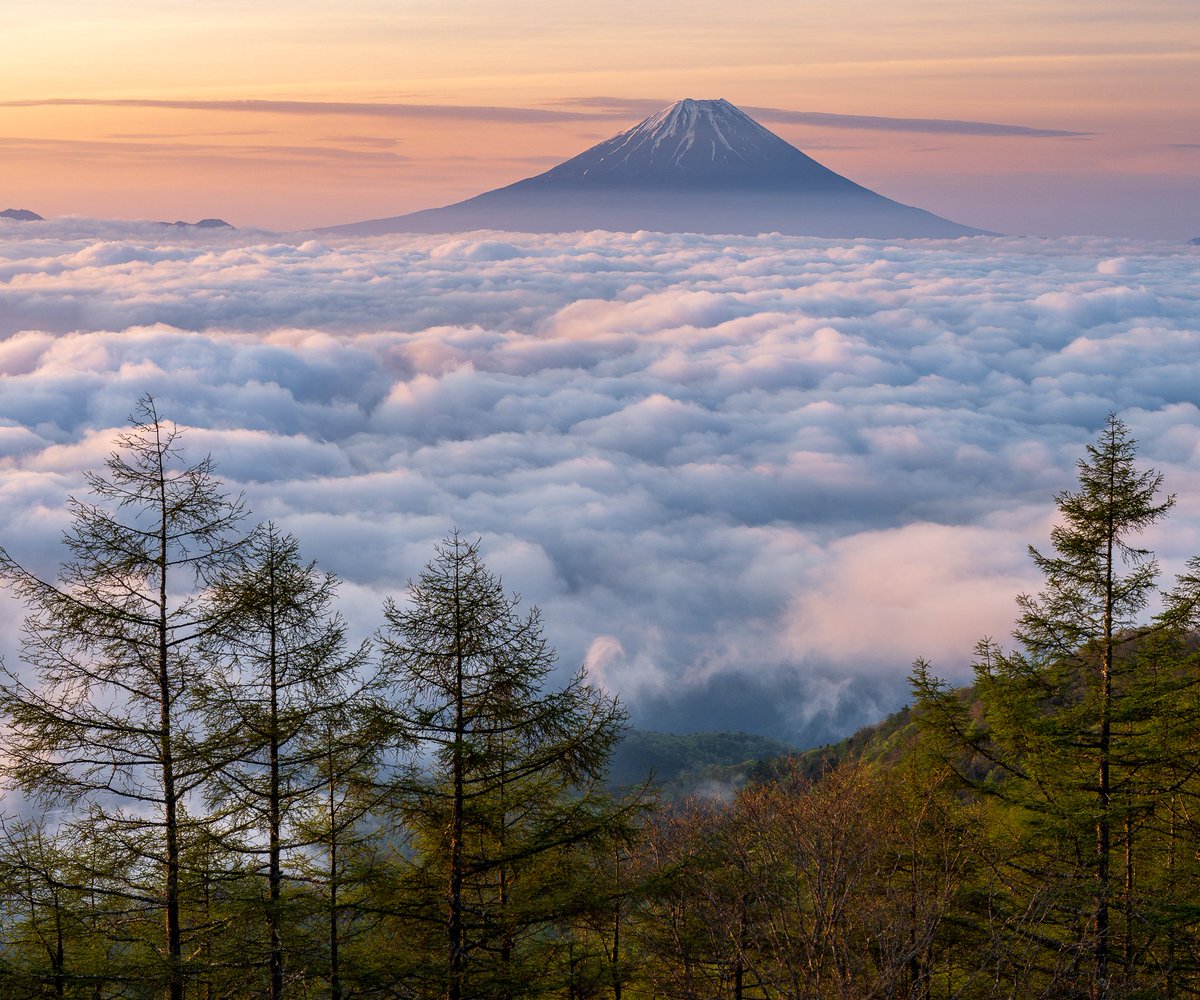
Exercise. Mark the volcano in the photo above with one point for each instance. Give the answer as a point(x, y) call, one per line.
point(697, 166)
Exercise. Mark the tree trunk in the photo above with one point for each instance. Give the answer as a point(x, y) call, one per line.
point(170, 800)
point(1100, 985)
point(335, 972)
point(458, 957)
point(274, 875)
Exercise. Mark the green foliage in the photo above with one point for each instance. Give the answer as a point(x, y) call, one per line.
point(113, 643)
point(306, 822)
point(1076, 738)
point(508, 797)
point(887, 740)
point(283, 701)
point(684, 764)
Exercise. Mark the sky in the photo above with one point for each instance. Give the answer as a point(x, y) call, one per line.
point(747, 480)
point(1043, 117)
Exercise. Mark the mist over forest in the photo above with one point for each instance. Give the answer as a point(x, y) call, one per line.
point(226, 794)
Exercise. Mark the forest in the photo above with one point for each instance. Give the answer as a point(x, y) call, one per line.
point(213, 791)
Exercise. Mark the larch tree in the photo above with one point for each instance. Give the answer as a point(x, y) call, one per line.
point(509, 778)
point(280, 670)
point(108, 716)
point(1065, 731)
point(1097, 585)
point(342, 825)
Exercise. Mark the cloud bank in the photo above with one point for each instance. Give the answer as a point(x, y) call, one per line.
point(360, 109)
point(747, 480)
point(589, 109)
point(874, 123)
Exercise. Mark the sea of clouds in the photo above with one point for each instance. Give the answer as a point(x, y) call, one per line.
point(747, 480)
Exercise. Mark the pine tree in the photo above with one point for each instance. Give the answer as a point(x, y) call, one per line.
point(58, 917)
point(1097, 585)
point(113, 644)
point(340, 824)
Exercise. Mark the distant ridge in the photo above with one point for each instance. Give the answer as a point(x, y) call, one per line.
point(202, 224)
point(687, 764)
point(24, 215)
point(697, 166)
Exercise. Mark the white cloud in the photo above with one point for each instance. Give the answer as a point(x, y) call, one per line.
point(746, 479)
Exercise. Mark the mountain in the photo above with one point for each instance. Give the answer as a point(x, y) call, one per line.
point(717, 764)
point(697, 166)
point(883, 740)
point(202, 224)
point(24, 215)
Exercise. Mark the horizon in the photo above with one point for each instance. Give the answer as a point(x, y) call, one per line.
point(296, 118)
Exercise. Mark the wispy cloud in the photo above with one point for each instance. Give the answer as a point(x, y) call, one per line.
point(581, 109)
point(161, 136)
point(139, 149)
point(878, 123)
point(325, 108)
point(942, 126)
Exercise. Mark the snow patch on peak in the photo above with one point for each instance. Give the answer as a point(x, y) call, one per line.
point(695, 136)
point(684, 120)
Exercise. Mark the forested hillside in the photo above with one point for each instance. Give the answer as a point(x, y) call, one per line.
point(223, 794)
point(678, 765)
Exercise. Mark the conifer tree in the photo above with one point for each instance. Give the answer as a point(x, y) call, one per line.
point(279, 672)
point(345, 837)
point(1097, 584)
point(35, 887)
point(1066, 728)
point(112, 642)
point(510, 774)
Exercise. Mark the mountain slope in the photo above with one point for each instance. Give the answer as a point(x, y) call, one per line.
point(686, 764)
point(701, 144)
point(697, 166)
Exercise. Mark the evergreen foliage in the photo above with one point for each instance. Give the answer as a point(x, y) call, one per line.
point(1066, 738)
point(225, 797)
point(279, 684)
point(110, 721)
point(509, 797)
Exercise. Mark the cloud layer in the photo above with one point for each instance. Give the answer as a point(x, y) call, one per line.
point(747, 480)
point(589, 109)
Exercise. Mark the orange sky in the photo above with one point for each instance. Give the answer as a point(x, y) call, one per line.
point(311, 113)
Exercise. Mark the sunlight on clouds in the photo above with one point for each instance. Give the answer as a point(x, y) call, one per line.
point(747, 480)
point(918, 590)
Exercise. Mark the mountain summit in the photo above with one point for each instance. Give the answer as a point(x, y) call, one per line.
point(705, 144)
point(697, 166)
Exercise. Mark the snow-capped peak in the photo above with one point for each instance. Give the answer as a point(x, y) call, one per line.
point(695, 144)
point(697, 166)
point(728, 131)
